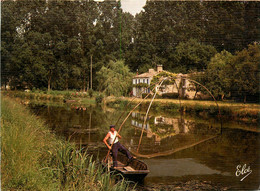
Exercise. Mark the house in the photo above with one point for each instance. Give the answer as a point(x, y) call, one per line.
point(142, 81)
point(186, 89)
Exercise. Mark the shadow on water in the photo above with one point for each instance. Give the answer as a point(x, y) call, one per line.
point(175, 147)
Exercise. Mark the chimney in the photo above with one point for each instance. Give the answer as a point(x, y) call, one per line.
point(159, 68)
point(136, 71)
point(151, 70)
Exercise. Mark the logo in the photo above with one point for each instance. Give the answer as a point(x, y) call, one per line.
point(243, 171)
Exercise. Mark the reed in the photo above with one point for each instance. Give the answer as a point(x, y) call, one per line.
point(23, 140)
point(35, 159)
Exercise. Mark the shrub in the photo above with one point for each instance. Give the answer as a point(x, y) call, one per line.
point(151, 96)
point(90, 93)
point(99, 98)
point(67, 95)
point(170, 95)
point(213, 110)
point(198, 108)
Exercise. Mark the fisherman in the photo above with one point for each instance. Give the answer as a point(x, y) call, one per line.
point(111, 136)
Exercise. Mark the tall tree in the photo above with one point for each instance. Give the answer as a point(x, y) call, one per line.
point(218, 79)
point(192, 55)
point(247, 71)
point(115, 79)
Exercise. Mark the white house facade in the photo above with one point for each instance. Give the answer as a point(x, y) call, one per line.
point(186, 89)
point(142, 82)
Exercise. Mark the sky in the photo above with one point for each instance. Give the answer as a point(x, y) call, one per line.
point(132, 6)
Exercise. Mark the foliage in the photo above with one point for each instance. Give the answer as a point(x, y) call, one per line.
point(217, 77)
point(170, 95)
point(115, 79)
point(141, 85)
point(55, 45)
point(246, 72)
point(192, 55)
point(99, 98)
point(24, 140)
point(232, 76)
point(164, 25)
point(90, 93)
point(156, 79)
point(150, 96)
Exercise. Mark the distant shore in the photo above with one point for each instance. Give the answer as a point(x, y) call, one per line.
point(248, 113)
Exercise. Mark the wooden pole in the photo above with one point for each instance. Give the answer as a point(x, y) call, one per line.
point(91, 71)
point(147, 114)
point(127, 118)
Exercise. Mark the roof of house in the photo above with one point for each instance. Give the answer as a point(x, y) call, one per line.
point(149, 74)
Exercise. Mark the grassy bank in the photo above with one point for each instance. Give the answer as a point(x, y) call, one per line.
point(34, 159)
point(237, 111)
point(51, 95)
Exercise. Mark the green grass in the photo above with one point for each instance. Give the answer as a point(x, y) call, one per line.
point(237, 111)
point(35, 159)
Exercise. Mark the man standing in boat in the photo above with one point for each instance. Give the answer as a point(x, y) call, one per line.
point(112, 138)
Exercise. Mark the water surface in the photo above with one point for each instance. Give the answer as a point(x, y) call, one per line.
point(175, 147)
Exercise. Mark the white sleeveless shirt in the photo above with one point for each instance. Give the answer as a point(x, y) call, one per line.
point(112, 137)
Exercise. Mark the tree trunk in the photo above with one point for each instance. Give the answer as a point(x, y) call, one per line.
point(222, 97)
point(5, 86)
point(90, 71)
point(245, 99)
point(67, 85)
point(84, 81)
point(195, 94)
point(49, 84)
point(49, 81)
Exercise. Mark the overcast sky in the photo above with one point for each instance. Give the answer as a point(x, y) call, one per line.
point(132, 6)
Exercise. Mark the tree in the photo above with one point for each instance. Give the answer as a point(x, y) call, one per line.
point(192, 55)
point(230, 25)
point(246, 72)
point(115, 79)
point(217, 78)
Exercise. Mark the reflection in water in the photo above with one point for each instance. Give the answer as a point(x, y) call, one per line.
point(165, 135)
point(204, 157)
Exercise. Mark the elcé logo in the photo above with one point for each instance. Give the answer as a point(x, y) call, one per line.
point(243, 171)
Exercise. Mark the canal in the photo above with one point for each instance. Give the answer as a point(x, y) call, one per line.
point(175, 147)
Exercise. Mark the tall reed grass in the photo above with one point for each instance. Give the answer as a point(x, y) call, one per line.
point(35, 159)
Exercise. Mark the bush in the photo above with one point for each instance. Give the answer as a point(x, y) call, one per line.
point(170, 95)
point(90, 93)
point(99, 98)
point(67, 95)
point(151, 96)
point(213, 110)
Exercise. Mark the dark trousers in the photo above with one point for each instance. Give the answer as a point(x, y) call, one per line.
point(118, 147)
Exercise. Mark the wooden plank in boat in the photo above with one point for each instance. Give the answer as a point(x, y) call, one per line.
point(129, 168)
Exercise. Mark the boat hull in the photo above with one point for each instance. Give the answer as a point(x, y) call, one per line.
point(134, 169)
